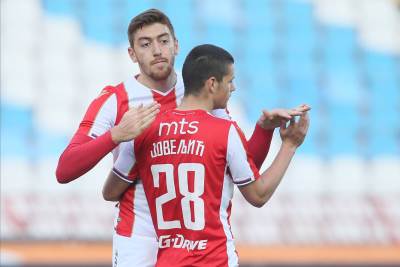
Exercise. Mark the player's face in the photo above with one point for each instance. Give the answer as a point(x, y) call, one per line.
point(225, 88)
point(154, 50)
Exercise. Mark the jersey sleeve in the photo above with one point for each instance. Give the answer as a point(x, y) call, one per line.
point(241, 166)
point(259, 143)
point(125, 163)
point(101, 114)
point(81, 155)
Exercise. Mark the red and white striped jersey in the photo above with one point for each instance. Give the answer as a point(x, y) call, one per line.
point(106, 111)
point(189, 162)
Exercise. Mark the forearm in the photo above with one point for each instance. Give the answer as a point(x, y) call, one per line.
point(114, 187)
point(81, 155)
point(271, 178)
point(259, 144)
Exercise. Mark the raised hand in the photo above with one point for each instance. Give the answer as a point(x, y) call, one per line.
point(272, 119)
point(295, 132)
point(134, 122)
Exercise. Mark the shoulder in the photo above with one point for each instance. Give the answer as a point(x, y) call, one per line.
point(114, 88)
point(217, 123)
point(116, 92)
point(110, 90)
point(218, 115)
point(118, 89)
point(113, 100)
point(221, 113)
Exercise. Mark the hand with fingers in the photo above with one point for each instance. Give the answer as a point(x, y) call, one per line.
point(272, 119)
point(294, 133)
point(134, 122)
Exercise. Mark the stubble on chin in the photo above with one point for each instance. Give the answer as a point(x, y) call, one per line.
point(161, 75)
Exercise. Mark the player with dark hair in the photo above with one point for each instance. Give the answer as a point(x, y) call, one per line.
point(189, 161)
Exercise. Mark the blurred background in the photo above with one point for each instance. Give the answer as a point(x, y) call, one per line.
point(339, 204)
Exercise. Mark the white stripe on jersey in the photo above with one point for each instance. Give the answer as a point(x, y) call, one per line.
point(137, 93)
point(105, 118)
point(140, 94)
point(227, 194)
point(143, 222)
point(236, 156)
point(125, 161)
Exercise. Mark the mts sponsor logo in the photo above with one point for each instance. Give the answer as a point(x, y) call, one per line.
point(178, 127)
point(179, 241)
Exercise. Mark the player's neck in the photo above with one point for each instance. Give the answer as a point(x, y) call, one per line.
point(195, 102)
point(160, 85)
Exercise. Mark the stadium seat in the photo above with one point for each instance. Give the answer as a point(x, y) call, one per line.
point(339, 42)
point(258, 13)
point(344, 121)
point(298, 14)
point(18, 126)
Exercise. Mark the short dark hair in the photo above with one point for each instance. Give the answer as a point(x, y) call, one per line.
point(203, 62)
point(145, 18)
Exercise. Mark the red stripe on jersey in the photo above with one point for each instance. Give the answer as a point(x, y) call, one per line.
point(94, 108)
point(167, 102)
point(229, 223)
point(249, 158)
point(122, 102)
point(126, 216)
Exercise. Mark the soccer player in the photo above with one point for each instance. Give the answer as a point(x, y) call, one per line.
point(189, 160)
point(116, 116)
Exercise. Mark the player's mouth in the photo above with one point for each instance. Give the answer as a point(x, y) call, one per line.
point(157, 61)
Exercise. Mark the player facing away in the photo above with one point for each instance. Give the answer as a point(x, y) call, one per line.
point(189, 160)
point(121, 112)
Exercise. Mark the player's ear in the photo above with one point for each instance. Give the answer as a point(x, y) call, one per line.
point(176, 47)
point(212, 84)
point(132, 54)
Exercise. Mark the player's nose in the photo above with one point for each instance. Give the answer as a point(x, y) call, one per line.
point(156, 49)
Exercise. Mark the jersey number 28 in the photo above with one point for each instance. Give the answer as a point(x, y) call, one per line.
point(195, 196)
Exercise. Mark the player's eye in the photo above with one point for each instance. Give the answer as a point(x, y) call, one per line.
point(145, 44)
point(165, 41)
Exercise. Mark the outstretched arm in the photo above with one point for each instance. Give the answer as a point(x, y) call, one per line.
point(260, 191)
